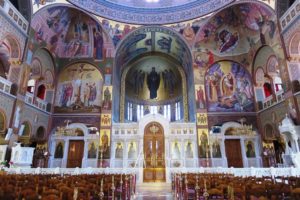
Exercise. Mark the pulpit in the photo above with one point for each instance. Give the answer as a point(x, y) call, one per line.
point(291, 135)
point(22, 156)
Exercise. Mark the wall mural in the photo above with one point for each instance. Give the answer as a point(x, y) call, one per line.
point(153, 78)
point(229, 88)
point(79, 89)
point(203, 142)
point(68, 32)
point(104, 148)
point(228, 34)
point(235, 33)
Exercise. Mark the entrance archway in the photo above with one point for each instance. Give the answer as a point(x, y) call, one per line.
point(154, 153)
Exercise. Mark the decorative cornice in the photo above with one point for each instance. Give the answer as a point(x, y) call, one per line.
point(164, 15)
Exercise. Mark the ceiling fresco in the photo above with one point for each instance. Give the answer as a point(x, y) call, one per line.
point(235, 30)
point(149, 15)
point(68, 32)
point(153, 39)
point(151, 3)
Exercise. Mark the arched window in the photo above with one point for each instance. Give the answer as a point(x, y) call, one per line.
point(41, 92)
point(267, 89)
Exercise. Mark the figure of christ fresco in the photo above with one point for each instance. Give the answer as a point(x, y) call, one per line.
point(153, 80)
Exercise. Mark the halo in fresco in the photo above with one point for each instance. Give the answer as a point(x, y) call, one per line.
point(229, 88)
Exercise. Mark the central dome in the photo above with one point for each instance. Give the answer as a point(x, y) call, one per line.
point(151, 11)
point(151, 3)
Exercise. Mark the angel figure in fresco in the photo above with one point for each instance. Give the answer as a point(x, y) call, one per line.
point(227, 85)
point(188, 33)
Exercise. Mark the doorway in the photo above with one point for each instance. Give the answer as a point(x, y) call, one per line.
point(234, 153)
point(75, 154)
point(154, 153)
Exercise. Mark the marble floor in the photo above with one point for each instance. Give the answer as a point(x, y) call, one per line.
point(154, 191)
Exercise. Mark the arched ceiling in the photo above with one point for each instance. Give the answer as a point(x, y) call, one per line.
point(140, 12)
point(151, 11)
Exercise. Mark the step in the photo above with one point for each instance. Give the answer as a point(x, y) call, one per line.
point(159, 191)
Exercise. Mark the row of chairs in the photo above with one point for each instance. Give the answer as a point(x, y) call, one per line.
point(197, 186)
point(67, 187)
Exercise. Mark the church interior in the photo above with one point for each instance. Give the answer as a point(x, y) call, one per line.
point(149, 99)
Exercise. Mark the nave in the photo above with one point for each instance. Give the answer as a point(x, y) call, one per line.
point(109, 184)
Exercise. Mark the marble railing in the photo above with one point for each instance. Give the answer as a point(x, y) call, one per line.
point(270, 101)
point(290, 15)
point(5, 85)
point(71, 171)
point(36, 102)
point(14, 15)
point(243, 172)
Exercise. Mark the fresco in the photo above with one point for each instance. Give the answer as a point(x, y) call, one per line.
point(92, 150)
point(68, 32)
point(155, 79)
point(189, 153)
point(200, 96)
point(105, 120)
point(79, 89)
point(201, 119)
point(107, 97)
point(235, 33)
point(236, 29)
point(59, 150)
point(216, 149)
point(229, 88)
point(104, 149)
point(203, 142)
point(119, 150)
point(250, 149)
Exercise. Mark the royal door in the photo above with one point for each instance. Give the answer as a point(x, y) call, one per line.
point(154, 153)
